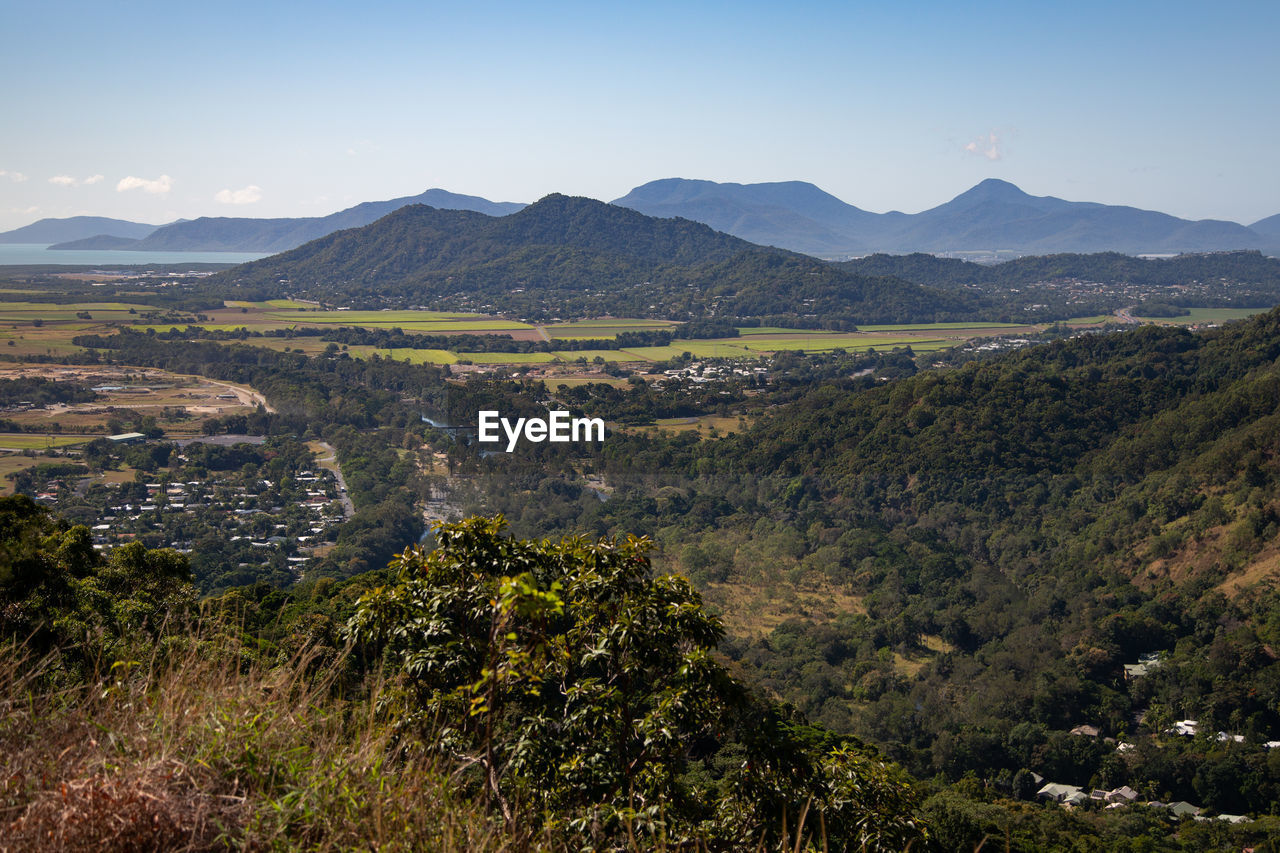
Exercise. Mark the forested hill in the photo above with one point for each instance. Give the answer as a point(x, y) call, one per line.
point(1004, 537)
point(576, 256)
point(1245, 269)
point(1113, 451)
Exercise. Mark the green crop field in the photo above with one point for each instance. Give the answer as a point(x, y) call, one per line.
point(1089, 321)
point(270, 303)
point(507, 357)
point(413, 356)
point(607, 327)
point(1206, 315)
point(34, 441)
point(747, 331)
point(554, 382)
point(714, 348)
point(25, 312)
point(589, 354)
point(938, 327)
point(415, 320)
point(698, 349)
point(848, 340)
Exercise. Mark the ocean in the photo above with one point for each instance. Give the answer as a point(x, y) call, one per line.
point(22, 254)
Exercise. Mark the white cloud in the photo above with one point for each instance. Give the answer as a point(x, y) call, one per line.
point(248, 195)
point(160, 186)
point(16, 177)
point(96, 179)
point(64, 181)
point(986, 146)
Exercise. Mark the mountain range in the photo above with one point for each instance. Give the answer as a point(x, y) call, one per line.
point(243, 234)
point(566, 256)
point(77, 228)
point(993, 216)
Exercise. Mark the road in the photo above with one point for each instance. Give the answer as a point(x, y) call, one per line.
point(245, 395)
point(330, 462)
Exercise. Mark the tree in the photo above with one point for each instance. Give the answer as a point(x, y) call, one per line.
point(572, 685)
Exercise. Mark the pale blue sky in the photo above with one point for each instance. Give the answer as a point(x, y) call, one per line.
point(298, 109)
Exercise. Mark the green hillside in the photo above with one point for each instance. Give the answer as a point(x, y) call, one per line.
point(572, 257)
point(992, 544)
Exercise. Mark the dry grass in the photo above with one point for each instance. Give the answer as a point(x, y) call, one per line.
point(207, 753)
point(754, 610)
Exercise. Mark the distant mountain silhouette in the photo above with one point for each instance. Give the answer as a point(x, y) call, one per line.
point(1269, 228)
point(101, 243)
point(565, 256)
point(994, 215)
point(792, 214)
point(76, 228)
point(243, 234)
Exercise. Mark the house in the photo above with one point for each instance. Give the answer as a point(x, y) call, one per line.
point(1145, 664)
point(1070, 795)
point(1123, 794)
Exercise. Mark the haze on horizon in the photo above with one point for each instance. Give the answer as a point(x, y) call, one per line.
point(152, 112)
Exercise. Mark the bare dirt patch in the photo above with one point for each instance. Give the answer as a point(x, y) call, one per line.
point(177, 401)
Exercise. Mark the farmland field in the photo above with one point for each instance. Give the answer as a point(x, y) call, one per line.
point(572, 355)
point(1205, 315)
point(414, 356)
point(556, 382)
point(25, 312)
point(506, 357)
point(33, 441)
point(20, 336)
point(937, 327)
point(417, 321)
point(604, 328)
point(846, 340)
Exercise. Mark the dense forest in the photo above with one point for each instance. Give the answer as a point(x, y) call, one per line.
point(1008, 535)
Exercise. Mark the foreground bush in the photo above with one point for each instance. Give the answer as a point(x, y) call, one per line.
point(577, 692)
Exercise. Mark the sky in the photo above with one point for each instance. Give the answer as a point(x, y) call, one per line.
point(155, 111)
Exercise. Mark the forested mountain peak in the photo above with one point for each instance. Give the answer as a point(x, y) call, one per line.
point(586, 223)
point(568, 255)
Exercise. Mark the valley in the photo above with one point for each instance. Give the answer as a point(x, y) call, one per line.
point(922, 525)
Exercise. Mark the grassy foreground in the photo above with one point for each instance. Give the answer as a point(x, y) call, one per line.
point(203, 752)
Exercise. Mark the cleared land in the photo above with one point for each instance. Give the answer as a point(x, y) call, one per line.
point(1205, 315)
point(704, 424)
point(178, 402)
